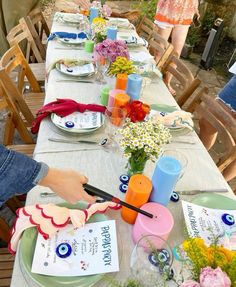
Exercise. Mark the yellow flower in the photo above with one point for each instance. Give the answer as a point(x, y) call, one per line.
point(219, 256)
point(196, 249)
point(99, 20)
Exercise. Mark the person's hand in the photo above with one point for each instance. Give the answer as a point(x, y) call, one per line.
point(68, 184)
point(85, 4)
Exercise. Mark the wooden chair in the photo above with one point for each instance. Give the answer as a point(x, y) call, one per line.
point(21, 106)
point(160, 49)
point(38, 28)
point(133, 16)
point(183, 76)
point(211, 110)
point(21, 35)
point(145, 28)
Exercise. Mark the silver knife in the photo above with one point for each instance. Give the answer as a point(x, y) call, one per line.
point(73, 141)
point(75, 80)
point(197, 191)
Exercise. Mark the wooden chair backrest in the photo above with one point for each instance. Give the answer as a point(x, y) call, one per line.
point(20, 34)
point(210, 110)
point(38, 27)
point(20, 113)
point(160, 49)
point(179, 71)
point(145, 28)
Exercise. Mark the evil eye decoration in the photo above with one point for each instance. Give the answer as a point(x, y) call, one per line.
point(161, 258)
point(124, 178)
point(69, 124)
point(152, 259)
point(123, 187)
point(174, 197)
point(63, 250)
point(162, 114)
point(228, 219)
point(104, 142)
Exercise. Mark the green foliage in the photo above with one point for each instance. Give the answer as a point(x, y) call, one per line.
point(194, 36)
point(128, 283)
point(207, 22)
point(147, 8)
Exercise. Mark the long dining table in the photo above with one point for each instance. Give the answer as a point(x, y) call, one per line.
point(103, 166)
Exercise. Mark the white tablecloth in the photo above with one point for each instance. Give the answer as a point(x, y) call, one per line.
point(104, 168)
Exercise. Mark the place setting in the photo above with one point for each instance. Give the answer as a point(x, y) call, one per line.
point(72, 70)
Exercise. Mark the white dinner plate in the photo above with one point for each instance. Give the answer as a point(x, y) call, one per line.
point(61, 122)
point(73, 18)
point(79, 69)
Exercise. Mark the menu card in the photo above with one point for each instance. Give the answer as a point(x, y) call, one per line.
point(94, 251)
point(86, 120)
point(205, 222)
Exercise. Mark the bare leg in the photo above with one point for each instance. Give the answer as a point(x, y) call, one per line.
point(207, 134)
point(165, 34)
point(230, 171)
point(178, 37)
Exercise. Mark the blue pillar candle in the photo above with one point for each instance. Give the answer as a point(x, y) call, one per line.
point(93, 13)
point(112, 33)
point(134, 86)
point(164, 179)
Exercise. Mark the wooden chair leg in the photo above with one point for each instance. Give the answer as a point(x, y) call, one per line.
point(4, 231)
point(186, 94)
point(9, 130)
point(13, 204)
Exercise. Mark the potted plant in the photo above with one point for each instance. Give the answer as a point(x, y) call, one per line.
point(193, 38)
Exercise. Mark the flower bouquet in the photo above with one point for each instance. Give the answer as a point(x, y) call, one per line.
point(99, 29)
point(110, 50)
point(137, 111)
point(121, 66)
point(210, 266)
point(105, 10)
point(142, 141)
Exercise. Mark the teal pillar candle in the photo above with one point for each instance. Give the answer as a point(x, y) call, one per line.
point(112, 33)
point(89, 46)
point(164, 179)
point(105, 95)
point(134, 86)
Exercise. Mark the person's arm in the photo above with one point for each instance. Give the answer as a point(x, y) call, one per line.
point(19, 174)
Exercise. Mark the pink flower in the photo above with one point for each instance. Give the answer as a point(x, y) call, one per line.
point(214, 278)
point(111, 49)
point(190, 283)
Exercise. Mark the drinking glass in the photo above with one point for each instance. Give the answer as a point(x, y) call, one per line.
point(102, 65)
point(114, 119)
point(151, 261)
point(180, 157)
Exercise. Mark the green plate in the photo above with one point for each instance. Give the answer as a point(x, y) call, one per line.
point(163, 108)
point(26, 251)
point(216, 201)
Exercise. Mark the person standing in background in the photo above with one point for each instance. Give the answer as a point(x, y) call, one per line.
point(173, 19)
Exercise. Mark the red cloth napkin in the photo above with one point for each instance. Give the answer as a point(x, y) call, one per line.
point(63, 107)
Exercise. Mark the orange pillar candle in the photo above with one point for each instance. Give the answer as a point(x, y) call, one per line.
point(120, 101)
point(121, 81)
point(139, 190)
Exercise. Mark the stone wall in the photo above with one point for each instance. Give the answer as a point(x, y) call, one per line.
point(225, 9)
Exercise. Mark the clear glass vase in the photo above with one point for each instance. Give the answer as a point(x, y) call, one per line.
point(137, 162)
